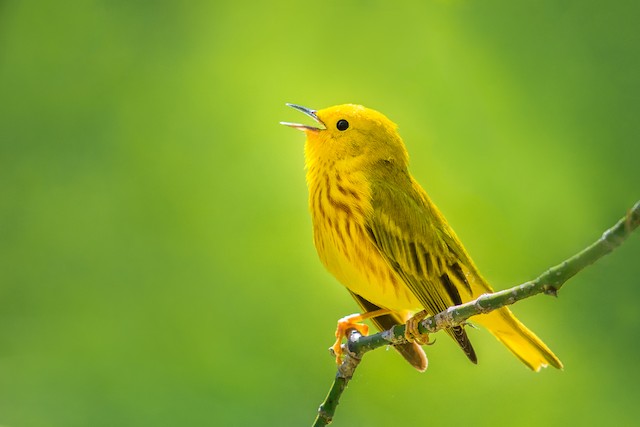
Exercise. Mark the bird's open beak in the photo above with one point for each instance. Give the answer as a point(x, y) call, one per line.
point(309, 112)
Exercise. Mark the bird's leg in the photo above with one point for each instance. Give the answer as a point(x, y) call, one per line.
point(353, 322)
point(411, 332)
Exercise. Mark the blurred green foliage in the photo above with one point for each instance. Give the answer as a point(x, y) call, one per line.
point(156, 260)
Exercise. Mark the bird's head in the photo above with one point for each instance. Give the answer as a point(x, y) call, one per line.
point(351, 131)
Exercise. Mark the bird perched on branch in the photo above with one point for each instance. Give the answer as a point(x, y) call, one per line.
point(377, 231)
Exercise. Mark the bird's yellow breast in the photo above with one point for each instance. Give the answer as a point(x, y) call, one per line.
point(339, 201)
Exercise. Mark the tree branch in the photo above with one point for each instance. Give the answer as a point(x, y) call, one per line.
point(548, 283)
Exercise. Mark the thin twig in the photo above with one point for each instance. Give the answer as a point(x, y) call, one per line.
point(350, 362)
point(548, 283)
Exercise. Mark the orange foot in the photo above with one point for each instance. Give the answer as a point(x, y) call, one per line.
point(353, 322)
point(411, 332)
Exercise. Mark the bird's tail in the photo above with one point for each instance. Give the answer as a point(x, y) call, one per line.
point(520, 340)
point(412, 352)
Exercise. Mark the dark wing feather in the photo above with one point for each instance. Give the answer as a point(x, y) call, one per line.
point(419, 245)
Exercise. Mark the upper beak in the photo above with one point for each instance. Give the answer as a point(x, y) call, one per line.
point(309, 112)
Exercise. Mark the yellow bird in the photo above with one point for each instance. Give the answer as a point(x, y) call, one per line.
point(377, 231)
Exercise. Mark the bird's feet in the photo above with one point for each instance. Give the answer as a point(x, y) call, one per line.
point(412, 333)
point(352, 321)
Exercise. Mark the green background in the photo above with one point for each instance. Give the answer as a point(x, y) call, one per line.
point(156, 260)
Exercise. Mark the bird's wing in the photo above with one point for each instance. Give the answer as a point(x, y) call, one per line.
point(419, 245)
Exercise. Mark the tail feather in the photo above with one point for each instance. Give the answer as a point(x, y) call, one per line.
point(517, 338)
point(460, 336)
point(412, 352)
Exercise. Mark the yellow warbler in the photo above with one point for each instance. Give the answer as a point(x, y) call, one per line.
point(377, 231)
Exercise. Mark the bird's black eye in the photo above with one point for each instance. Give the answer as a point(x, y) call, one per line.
point(342, 124)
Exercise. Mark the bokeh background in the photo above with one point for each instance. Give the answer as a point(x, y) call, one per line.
point(156, 259)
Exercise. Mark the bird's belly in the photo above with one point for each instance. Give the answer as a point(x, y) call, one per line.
point(358, 265)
